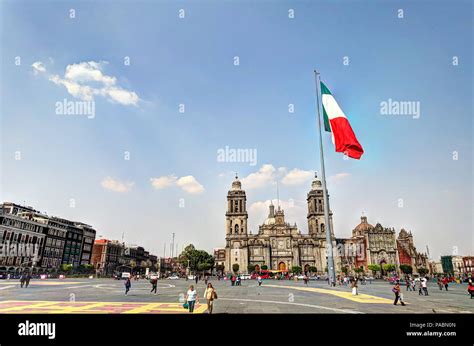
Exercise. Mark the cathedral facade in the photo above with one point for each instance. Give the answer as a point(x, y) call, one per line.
point(280, 245)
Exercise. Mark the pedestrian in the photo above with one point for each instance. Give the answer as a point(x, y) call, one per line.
point(128, 284)
point(259, 280)
point(440, 284)
point(354, 287)
point(206, 278)
point(305, 279)
point(424, 286)
point(210, 294)
point(408, 283)
point(238, 281)
point(191, 298)
point(196, 278)
point(28, 278)
point(396, 290)
point(154, 284)
point(22, 280)
point(232, 280)
point(470, 288)
point(445, 283)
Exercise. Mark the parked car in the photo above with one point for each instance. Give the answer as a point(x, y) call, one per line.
point(173, 277)
point(191, 277)
point(300, 277)
point(314, 277)
point(245, 276)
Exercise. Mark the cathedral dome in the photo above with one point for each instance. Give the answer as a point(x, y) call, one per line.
point(364, 226)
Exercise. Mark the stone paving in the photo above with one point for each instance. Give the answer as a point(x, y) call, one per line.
point(274, 296)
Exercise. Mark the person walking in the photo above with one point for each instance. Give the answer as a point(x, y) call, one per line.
point(28, 278)
point(22, 280)
point(408, 283)
point(210, 294)
point(128, 284)
point(305, 279)
point(470, 288)
point(196, 278)
point(154, 284)
point(238, 280)
point(206, 279)
point(232, 280)
point(445, 283)
point(191, 298)
point(424, 285)
point(440, 284)
point(259, 280)
point(354, 287)
point(396, 290)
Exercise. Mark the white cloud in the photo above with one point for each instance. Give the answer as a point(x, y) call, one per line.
point(116, 185)
point(339, 177)
point(162, 182)
point(260, 178)
point(86, 80)
point(190, 184)
point(38, 67)
point(187, 183)
point(297, 176)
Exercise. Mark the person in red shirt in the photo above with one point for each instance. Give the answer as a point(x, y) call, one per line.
point(445, 283)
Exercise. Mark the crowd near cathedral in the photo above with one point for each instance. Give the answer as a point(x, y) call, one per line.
point(280, 245)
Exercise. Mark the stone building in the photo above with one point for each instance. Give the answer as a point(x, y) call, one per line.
point(280, 245)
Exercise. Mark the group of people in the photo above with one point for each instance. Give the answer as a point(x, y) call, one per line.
point(236, 280)
point(191, 298)
point(25, 280)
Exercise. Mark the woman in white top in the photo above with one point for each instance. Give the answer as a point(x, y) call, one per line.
point(191, 298)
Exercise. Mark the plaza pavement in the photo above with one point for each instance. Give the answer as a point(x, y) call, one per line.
point(274, 296)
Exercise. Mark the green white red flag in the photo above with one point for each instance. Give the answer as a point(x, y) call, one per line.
point(335, 121)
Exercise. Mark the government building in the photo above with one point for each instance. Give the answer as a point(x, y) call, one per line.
point(280, 245)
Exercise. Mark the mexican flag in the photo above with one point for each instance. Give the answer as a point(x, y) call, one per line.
point(336, 122)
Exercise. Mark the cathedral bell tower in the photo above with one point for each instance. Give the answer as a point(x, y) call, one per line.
point(236, 228)
point(315, 216)
point(236, 215)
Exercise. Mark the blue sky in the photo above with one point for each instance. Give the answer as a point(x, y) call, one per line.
point(190, 61)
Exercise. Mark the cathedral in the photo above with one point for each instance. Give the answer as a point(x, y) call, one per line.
point(280, 245)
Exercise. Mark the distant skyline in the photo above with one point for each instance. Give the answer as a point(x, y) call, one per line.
point(171, 89)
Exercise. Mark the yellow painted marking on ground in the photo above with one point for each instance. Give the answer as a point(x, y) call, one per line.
point(360, 298)
point(22, 307)
point(56, 307)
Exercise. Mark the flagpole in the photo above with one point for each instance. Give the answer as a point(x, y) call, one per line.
point(331, 268)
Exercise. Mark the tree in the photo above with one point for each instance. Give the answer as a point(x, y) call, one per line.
point(264, 267)
point(235, 267)
point(422, 271)
point(406, 269)
point(359, 270)
point(198, 260)
point(313, 269)
point(374, 268)
point(388, 267)
point(344, 270)
point(251, 268)
point(66, 267)
point(296, 269)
